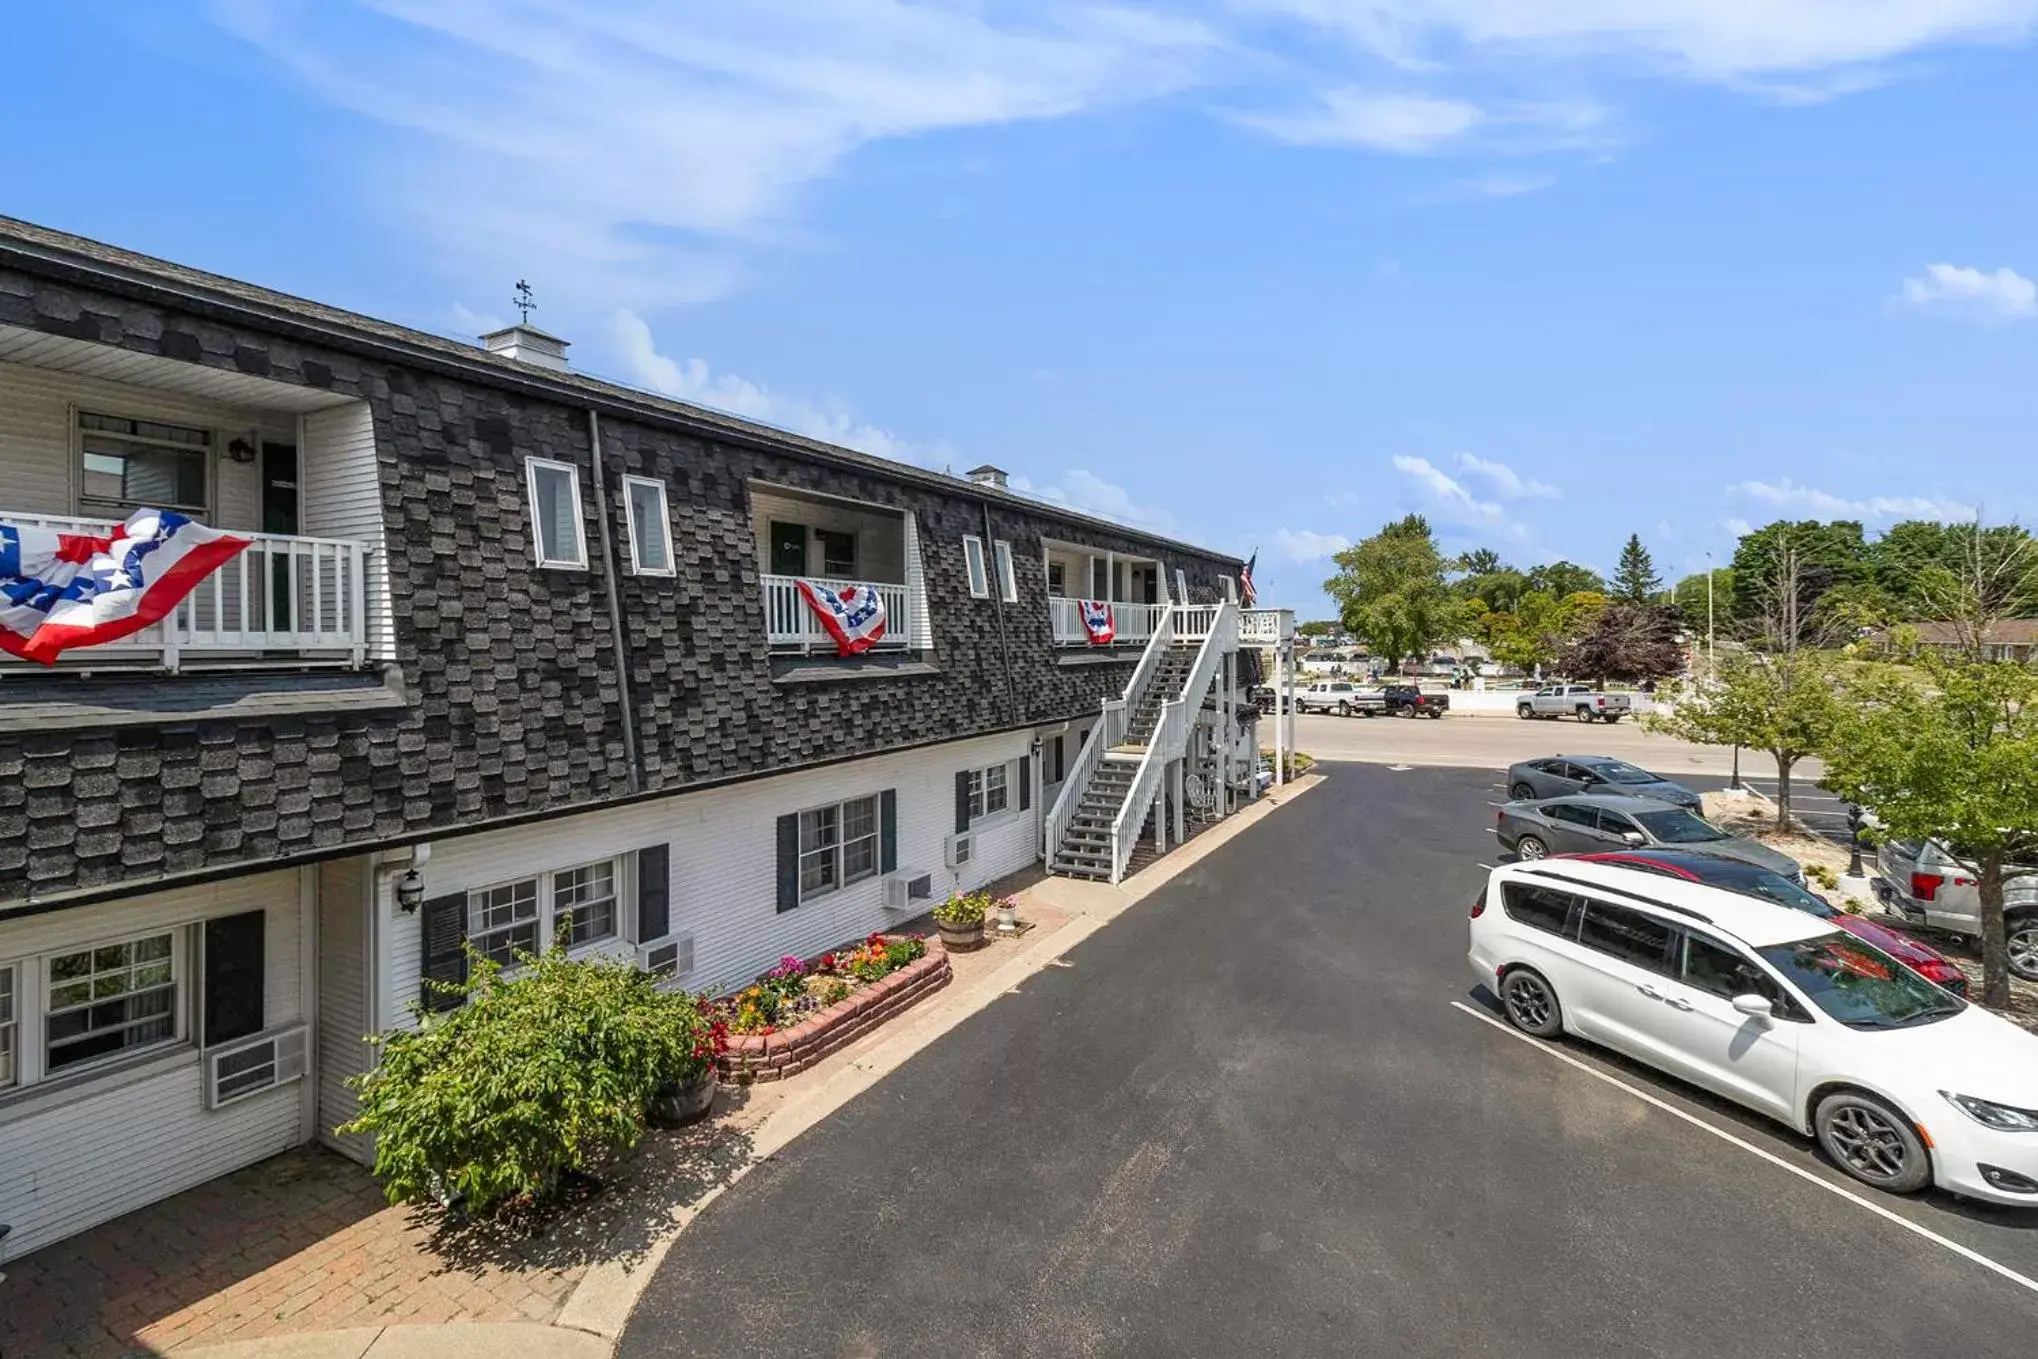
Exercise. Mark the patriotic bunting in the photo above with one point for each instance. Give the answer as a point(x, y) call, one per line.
point(1097, 621)
point(853, 614)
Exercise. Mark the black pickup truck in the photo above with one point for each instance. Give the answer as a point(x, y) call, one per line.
point(1407, 700)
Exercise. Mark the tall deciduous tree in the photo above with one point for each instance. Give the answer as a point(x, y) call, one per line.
point(1690, 598)
point(1826, 555)
point(1480, 561)
point(1392, 592)
point(1566, 578)
point(1779, 702)
point(1635, 579)
point(1954, 757)
point(1624, 641)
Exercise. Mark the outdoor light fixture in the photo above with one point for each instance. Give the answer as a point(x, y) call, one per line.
point(410, 891)
point(240, 450)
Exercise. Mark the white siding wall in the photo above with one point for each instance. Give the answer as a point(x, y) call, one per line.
point(342, 497)
point(342, 996)
point(724, 861)
point(36, 474)
point(922, 628)
point(74, 1154)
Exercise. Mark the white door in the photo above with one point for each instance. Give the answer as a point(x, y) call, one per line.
point(1692, 1022)
point(1623, 964)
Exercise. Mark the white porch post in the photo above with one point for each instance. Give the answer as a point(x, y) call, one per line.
point(1282, 714)
point(1181, 783)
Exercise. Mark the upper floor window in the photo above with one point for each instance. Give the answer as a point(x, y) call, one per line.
point(973, 559)
point(1008, 583)
point(556, 530)
point(650, 526)
point(127, 464)
point(838, 553)
point(10, 1069)
point(1230, 589)
point(1181, 586)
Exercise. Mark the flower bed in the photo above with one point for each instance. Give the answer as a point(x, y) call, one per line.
point(802, 1010)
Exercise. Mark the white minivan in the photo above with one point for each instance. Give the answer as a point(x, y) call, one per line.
point(1902, 1084)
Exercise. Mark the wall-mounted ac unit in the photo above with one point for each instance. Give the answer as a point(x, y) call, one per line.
point(239, 1070)
point(960, 847)
point(907, 886)
point(671, 959)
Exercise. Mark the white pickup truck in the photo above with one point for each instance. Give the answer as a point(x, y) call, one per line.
point(1581, 701)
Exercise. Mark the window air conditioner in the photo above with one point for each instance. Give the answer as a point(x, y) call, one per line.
point(960, 847)
point(671, 959)
point(904, 888)
point(236, 1071)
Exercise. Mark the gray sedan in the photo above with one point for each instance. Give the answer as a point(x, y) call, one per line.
point(1590, 824)
point(1560, 775)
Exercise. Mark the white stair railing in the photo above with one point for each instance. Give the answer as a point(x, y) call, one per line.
point(1170, 740)
point(1076, 780)
point(1149, 663)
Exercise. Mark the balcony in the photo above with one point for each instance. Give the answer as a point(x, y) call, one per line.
point(790, 624)
point(283, 599)
point(834, 542)
point(1132, 624)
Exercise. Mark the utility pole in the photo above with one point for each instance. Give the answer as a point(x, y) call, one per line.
point(1711, 655)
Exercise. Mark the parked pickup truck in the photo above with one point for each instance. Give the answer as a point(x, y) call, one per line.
point(1407, 700)
point(1581, 701)
point(1341, 697)
point(1927, 885)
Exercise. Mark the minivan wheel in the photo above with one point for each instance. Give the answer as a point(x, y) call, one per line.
point(1521, 792)
point(1529, 848)
point(1531, 1003)
point(2023, 947)
point(1872, 1142)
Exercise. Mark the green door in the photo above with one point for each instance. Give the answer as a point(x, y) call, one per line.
point(788, 549)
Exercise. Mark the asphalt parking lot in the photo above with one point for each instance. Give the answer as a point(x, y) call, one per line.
point(1267, 1112)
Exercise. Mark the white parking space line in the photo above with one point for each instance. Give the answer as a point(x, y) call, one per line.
point(1899, 1219)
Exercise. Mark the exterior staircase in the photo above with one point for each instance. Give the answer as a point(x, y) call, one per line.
point(1130, 751)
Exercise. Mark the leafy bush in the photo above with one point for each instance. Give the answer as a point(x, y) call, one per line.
point(1823, 876)
point(1299, 762)
point(541, 1072)
point(964, 909)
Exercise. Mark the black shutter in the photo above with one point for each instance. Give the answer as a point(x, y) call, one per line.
point(888, 831)
point(445, 948)
point(789, 861)
point(1025, 782)
point(654, 892)
point(961, 801)
point(233, 976)
point(1060, 768)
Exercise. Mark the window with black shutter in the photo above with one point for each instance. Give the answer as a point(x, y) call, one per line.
point(1025, 782)
point(962, 816)
point(888, 831)
point(654, 893)
point(443, 922)
point(233, 976)
point(789, 861)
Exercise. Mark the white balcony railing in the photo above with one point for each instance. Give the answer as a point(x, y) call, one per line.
point(283, 598)
point(790, 624)
point(1133, 623)
point(1265, 627)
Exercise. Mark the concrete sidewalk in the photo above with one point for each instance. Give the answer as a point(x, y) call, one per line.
point(619, 1261)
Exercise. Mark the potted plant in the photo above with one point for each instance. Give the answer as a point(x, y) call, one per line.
point(688, 1095)
point(961, 919)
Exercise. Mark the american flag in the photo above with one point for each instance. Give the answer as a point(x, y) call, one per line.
point(1245, 581)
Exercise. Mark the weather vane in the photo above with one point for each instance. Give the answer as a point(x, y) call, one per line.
point(524, 302)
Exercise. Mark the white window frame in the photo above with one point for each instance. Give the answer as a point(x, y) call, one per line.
point(545, 889)
point(10, 1025)
point(973, 562)
point(836, 853)
point(92, 508)
point(637, 566)
point(981, 812)
point(1230, 588)
point(1008, 581)
point(180, 994)
point(819, 549)
point(1181, 586)
point(579, 561)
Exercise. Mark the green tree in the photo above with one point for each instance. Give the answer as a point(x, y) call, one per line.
point(1690, 598)
point(1392, 592)
point(1779, 702)
point(1501, 589)
point(1826, 555)
point(1635, 579)
point(1480, 561)
point(1316, 627)
point(1954, 757)
point(1566, 578)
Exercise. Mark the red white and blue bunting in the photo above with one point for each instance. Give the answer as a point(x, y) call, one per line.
point(1097, 621)
point(854, 615)
point(61, 590)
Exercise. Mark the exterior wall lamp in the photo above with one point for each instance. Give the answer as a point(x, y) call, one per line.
point(240, 450)
point(410, 891)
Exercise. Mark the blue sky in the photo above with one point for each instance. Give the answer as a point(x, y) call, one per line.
point(1262, 273)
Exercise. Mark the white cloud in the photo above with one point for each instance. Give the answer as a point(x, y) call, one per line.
point(473, 324)
point(1968, 294)
point(1086, 491)
point(1448, 492)
point(1307, 545)
point(1738, 528)
point(1404, 124)
point(1502, 185)
point(1504, 481)
point(693, 381)
point(640, 148)
point(1788, 495)
point(1727, 41)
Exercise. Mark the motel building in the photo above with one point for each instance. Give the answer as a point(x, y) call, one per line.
point(503, 642)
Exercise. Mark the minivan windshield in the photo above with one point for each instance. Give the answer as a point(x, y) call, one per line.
point(1858, 984)
point(1675, 826)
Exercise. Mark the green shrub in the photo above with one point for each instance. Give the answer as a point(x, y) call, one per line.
point(964, 909)
point(539, 1073)
point(1823, 876)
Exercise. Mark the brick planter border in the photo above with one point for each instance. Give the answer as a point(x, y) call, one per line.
point(774, 1056)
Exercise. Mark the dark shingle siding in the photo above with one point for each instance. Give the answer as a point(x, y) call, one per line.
point(512, 669)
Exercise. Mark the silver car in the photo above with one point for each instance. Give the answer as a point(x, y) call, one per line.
point(1925, 883)
point(1560, 775)
point(1594, 824)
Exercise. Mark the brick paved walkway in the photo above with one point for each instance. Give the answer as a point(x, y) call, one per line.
point(305, 1242)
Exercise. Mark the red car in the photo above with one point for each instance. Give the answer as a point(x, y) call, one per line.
point(1751, 880)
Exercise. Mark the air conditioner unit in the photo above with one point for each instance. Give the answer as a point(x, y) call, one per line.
point(239, 1070)
point(907, 886)
point(671, 959)
point(960, 847)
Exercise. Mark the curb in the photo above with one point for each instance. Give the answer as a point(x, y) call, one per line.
point(497, 1339)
